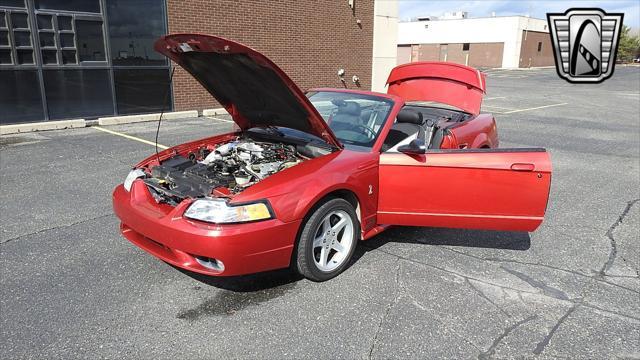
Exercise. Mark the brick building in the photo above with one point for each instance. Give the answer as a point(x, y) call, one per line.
point(503, 41)
point(62, 59)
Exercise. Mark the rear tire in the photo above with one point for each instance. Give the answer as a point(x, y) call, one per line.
point(328, 240)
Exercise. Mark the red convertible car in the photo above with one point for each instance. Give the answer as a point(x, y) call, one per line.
point(307, 176)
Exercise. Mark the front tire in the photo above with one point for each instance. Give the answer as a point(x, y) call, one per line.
point(328, 240)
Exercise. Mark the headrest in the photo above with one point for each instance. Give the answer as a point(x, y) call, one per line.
point(350, 108)
point(409, 116)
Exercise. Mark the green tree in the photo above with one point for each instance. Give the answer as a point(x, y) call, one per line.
point(629, 46)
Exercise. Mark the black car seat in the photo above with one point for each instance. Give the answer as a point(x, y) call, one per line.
point(408, 123)
point(346, 117)
point(438, 136)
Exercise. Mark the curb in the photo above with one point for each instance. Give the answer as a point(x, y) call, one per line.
point(214, 112)
point(42, 126)
point(111, 120)
point(129, 119)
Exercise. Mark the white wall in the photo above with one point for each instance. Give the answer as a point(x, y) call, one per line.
point(507, 30)
point(385, 35)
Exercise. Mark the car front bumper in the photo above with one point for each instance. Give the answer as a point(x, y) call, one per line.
point(162, 231)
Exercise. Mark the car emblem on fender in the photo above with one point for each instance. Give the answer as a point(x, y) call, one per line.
point(585, 43)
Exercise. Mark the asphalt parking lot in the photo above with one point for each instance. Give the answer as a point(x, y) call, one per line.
point(72, 287)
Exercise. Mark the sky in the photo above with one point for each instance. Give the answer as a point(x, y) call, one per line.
point(537, 9)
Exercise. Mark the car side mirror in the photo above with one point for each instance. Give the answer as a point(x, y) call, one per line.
point(415, 147)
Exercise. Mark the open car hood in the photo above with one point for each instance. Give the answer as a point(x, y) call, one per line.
point(254, 90)
point(444, 82)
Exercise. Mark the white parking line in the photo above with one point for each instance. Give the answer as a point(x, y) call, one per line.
point(496, 97)
point(215, 118)
point(534, 108)
point(129, 137)
point(498, 107)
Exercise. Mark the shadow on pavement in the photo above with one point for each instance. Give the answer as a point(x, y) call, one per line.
point(247, 283)
point(507, 240)
point(264, 284)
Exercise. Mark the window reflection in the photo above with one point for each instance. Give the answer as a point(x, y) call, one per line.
point(19, 20)
point(20, 98)
point(141, 90)
point(14, 3)
point(25, 57)
point(64, 23)
point(44, 22)
point(131, 35)
point(5, 57)
point(4, 38)
point(69, 5)
point(77, 93)
point(90, 40)
point(64, 33)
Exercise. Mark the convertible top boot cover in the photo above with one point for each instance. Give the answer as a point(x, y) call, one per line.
point(254, 90)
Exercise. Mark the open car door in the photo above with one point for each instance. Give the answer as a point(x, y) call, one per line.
point(490, 189)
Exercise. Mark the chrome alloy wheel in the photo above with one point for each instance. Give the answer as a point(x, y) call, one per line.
point(333, 240)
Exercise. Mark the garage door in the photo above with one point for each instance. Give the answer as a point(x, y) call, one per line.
point(486, 54)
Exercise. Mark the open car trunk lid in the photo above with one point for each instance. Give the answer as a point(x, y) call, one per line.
point(254, 90)
point(448, 83)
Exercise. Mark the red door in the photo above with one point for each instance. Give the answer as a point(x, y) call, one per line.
point(492, 189)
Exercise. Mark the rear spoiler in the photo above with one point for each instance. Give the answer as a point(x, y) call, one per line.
point(442, 70)
point(444, 82)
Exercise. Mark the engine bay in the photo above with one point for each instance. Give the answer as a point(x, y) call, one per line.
point(226, 169)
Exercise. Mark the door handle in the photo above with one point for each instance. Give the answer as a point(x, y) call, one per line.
point(522, 167)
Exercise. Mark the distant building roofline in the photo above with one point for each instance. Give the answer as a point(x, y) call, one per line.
point(435, 18)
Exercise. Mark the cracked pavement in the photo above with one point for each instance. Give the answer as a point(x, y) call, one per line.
point(72, 287)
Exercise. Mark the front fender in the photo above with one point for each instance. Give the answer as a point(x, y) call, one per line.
point(294, 191)
point(313, 197)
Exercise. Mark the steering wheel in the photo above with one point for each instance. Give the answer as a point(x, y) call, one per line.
point(368, 129)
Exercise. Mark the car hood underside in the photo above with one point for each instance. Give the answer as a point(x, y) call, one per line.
point(251, 87)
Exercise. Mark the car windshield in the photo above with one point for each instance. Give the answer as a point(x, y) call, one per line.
point(355, 119)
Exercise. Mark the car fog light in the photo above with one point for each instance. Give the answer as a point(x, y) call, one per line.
point(133, 174)
point(210, 263)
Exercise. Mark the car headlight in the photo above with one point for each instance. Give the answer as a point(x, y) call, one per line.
point(133, 174)
point(218, 211)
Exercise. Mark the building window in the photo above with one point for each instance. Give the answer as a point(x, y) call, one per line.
point(5, 44)
point(90, 40)
point(140, 90)
point(70, 39)
point(56, 63)
point(78, 93)
point(131, 36)
point(465, 47)
point(16, 45)
point(92, 6)
point(140, 74)
point(20, 98)
point(539, 46)
point(12, 3)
